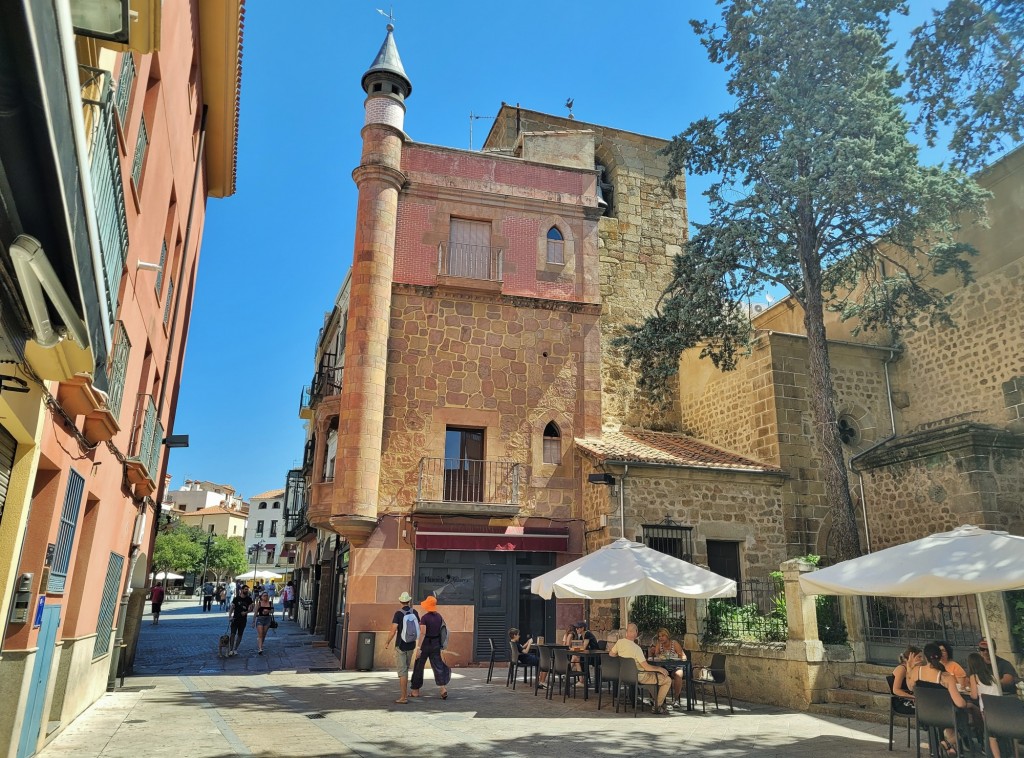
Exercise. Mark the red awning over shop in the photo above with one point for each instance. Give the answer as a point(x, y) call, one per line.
point(468, 537)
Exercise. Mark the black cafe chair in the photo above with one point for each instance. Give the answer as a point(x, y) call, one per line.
point(544, 665)
point(1004, 720)
point(566, 675)
point(514, 665)
point(610, 676)
point(936, 711)
point(898, 708)
point(490, 665)
point(714, 677)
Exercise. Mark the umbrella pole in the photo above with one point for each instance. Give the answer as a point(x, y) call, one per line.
point(988, 639)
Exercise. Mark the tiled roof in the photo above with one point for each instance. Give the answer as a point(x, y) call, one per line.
point(663, 448)
point(214, 510)
point(268, 495)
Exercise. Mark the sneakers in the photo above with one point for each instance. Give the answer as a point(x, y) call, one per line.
point(259, 652)
point(232, 653)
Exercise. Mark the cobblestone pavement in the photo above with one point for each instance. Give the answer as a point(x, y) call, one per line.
point(292, 701)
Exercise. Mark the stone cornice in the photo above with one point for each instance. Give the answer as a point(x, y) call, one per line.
point(392, 176)
point(516, 301)
point(564, 204)
point(967, 436)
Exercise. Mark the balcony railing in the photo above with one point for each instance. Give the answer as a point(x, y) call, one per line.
point(327, 380)
point(469, 261)
point(463, 480)
point(147, 436)
point(304, 403)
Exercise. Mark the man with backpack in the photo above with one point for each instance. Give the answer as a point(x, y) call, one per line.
point(405, 630)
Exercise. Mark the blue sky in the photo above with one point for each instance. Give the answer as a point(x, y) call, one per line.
point(275, 254)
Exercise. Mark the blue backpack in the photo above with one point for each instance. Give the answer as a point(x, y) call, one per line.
point(410, 627)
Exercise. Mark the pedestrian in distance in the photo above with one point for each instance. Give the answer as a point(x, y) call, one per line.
point(156, 597)
point(239, 615)
point(288, 598)
point(207, 596)
point(229, 593)
point(429, 646)
point(263, 619)
point(405, 630)
point(220, 595)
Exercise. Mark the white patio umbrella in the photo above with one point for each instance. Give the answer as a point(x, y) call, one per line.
point(165, 575)
point(966, 561)
point(629, 569)
point(258, 574)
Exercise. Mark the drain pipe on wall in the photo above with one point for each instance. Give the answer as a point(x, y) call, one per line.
point(862, 453)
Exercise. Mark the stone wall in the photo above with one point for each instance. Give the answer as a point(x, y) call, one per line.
point(508, 366)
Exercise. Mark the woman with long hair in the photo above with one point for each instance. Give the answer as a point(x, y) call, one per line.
point(910, 659)
point(262, 617)
point(983, 685)
point(934, 672)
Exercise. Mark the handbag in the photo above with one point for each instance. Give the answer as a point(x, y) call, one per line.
point(273, 623)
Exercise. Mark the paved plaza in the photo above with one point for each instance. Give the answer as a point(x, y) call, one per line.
point(185, 701)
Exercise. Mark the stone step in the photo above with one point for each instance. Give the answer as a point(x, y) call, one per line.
point(847, 711)
point(858, 698)
point(864, 683)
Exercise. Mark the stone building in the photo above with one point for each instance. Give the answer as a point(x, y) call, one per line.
point(933, 427)
point(139, 126)
point(465, 387)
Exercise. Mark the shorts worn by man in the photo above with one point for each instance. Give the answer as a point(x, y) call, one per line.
point(627, 648)
point(404, 651)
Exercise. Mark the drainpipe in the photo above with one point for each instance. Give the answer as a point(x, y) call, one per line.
point(862, 453)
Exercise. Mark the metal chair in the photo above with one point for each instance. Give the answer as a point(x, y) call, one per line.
point(629, 682)
point(609, 676)
point(898, 707)
point(490, 665)
point(936, 711)
point(514, 665)
point(544, 665)
point(1004, 718)
point(713, 677)
point(567, 676)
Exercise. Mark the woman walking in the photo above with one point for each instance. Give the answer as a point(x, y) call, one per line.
point(429, 646)
point(261, 619)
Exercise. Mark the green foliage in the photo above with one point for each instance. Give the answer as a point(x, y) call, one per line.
point(1015, 600)
point(177, 549)
point(651, 612)
point(966, 72)
point(227, 557)
point(726, 621)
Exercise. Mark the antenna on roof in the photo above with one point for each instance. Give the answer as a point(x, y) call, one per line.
point(473, 117)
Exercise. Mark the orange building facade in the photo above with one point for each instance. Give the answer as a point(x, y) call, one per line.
point(159, 116)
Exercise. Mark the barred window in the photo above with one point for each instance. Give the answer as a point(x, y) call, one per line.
point(670, 539)
point(66, 532)
point(141, 144)
point(160, 273)
point(108, 604)
point(167, 305)
point(125, 80)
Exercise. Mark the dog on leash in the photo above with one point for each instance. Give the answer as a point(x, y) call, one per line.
point(223, 646)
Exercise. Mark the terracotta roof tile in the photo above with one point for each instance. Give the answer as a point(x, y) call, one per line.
point(212, 511)
point(666, 449)
point(268, 495)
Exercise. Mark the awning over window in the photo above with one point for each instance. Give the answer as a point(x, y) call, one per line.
point(470, 537)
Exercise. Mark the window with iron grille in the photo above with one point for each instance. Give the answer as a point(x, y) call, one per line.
point(108, 199)
point(160, 272)
point(125, 80)
point(66, 532)
point(118, 369)
point(167, 304)
point(108, 604)
point(670, 539)
point(140, 153)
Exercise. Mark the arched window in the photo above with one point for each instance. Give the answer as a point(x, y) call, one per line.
point(556, 249)
point(552, 444)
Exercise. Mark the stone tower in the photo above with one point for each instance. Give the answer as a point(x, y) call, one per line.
point(379, 178)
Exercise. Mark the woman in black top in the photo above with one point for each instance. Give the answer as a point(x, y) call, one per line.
point(262, 616)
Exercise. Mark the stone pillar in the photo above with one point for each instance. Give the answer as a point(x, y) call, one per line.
point(801, 612)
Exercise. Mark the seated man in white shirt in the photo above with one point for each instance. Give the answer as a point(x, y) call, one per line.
point(627, 648)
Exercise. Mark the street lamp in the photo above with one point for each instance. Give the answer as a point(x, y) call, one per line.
point(255, 550)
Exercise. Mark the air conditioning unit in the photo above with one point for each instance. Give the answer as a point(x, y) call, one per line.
point(757, 309)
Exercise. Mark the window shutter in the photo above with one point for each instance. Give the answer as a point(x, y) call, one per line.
point(66, 532)
point(108, 605)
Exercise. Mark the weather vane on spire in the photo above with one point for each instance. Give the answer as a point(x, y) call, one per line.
point(390, 15)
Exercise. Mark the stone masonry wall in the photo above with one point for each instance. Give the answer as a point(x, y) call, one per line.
point(949, 372)
point(503, 365)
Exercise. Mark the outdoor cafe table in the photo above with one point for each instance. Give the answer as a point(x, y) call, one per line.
point(671, 665)
point(587, 658)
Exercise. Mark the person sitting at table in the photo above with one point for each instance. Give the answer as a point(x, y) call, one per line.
point(666, 649)
point(1007, 673)
point(983, 685)
point(525, 656)
point(950, 666)
point(934, 672)
point(576, 633)
point(648, 674)
point(910, 659)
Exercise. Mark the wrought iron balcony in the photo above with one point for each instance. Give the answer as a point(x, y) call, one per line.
point(464, 261)
point(142, 466)
point(326, 381)
point(305, 407)
point(461, 485)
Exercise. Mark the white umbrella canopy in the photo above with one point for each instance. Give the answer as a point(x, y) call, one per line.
point(629, 569)
point(164, 575)
point(966, 561)
point(260, 574)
